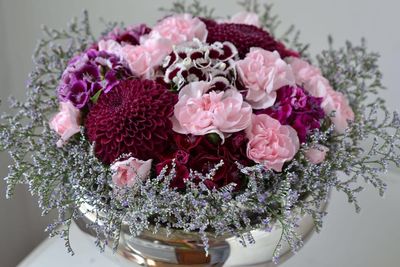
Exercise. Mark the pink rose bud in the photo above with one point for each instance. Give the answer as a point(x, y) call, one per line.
point(316, 154)
point(263, 73)
point(271, 143)
point(130, 171)
point(66, 123)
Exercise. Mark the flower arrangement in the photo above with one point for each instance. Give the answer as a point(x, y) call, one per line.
point(198, 124)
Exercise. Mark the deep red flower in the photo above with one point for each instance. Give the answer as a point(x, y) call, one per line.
point(182, 172)
point(133, 118)
point(130, 35)
point(201, 154)
point(244, 37)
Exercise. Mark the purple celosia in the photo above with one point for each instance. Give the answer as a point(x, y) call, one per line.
point(131, 35)
point(88, 73)
point(295, 107)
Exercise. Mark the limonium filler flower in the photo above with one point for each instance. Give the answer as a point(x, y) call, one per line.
point(198, 127)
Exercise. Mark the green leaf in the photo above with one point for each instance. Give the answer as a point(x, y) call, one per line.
point(95, 98)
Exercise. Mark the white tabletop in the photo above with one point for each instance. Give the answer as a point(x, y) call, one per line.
point(368, 239)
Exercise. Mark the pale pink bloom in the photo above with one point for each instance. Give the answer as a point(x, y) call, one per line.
point(158, 49)
point(313, 82)
point(271, 143)
point(180, 28)
point(66, 122)
point(199, 112)
point(243, 17)
point(316, 154)
point(343, 113)
point(309, 77)
point(130, 171)
point(263, 73)
point(111, 46)
point(143, 59)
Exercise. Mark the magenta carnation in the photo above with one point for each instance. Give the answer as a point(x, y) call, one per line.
point(295, 107)
point(245, 37)
point(133, 118)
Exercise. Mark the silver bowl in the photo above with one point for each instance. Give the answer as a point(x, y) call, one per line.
point(180, 248)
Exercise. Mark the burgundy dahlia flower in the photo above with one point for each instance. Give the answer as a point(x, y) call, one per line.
point(133, 118)
point(88, 73)
point(295, 107)
point(244, 37)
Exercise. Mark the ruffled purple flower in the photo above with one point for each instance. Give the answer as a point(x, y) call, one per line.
point(131, 35)
point(295, 107)
point(88, 73)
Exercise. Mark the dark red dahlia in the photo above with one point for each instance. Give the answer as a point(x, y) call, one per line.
point(133, 118)
point(244, 37)
point(295, 107)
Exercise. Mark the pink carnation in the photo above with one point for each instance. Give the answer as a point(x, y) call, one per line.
point(309, 77)
point(66, 122)
point(180, 28)
point(271, 143)
point(130, 171)
point(200, 112)
point(263, 72)
point(143, 59)
point(343, 113)
point(244, 17)
point(316, 154)
point(318, 86)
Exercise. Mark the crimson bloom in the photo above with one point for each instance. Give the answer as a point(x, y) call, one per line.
point(133, 118)
point(202, 153)
point(244, 37)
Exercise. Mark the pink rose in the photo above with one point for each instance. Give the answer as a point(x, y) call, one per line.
point(200, 112)
point(271, 143)
point(343, 113)
point(309, 77)
point(130, 171)
point(314, 83)
point(66, 122)
point(180, 28)
point(143, 59)
point(316, 154)
point(248, 18)
point(111, 46)
point(263, 72)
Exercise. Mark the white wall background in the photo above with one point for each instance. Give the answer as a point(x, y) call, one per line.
point(20, 222)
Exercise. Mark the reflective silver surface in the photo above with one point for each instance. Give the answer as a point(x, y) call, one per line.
point(186, 249)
